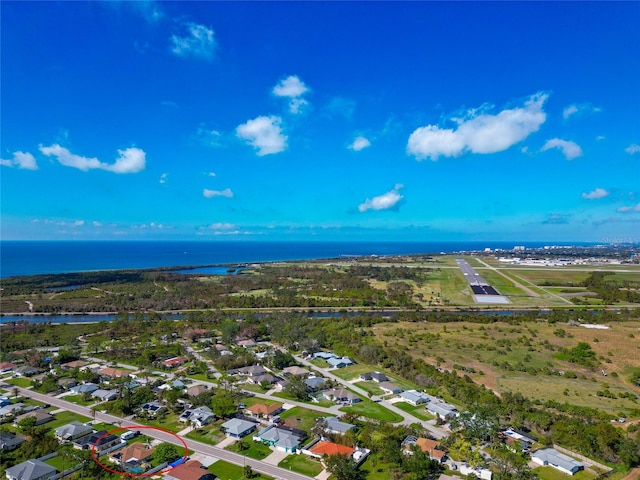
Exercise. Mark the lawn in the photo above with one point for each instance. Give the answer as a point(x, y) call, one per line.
point(20, 382)
point(227, 471)
point(211, 434)
point(377, 470)
point(373, 410)
point(418, 412)
point(301, 418)
point(550, 473)
point(168, 422)
point(354, 371)
point(62, 418)
point(286, 396)
point(255, 450)
point(77, 399)
point(303, 464)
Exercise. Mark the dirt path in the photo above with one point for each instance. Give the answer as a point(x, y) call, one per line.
point(633, 475)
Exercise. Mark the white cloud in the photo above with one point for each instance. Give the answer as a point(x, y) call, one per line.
point(570, 149)
point(479, 132)
point(579, 108)
point(221, 226)
point(227, 193)
point(131, 160)
point(208, 137)
point(595, 194)
point(629, 209)
point(386, 201)
point(292, 88)
point(632, 149)
point(360, 143)
point(211, 174)
point(163, 178)
point(23, 160)
point(599, 138)
point(96, 224)
point(264, 134)
point(199, 42)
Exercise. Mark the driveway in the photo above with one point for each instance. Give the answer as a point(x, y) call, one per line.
point(276, 457)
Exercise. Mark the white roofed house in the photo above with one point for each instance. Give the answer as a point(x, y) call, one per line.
point(71, 431)
point(442, 410)
point(334, 425)
point(31, 470)
point(105, 395)
point(238, 428)
point(341, 395)
point(340, 362)
point(414, 397)
point(279, 438)
point(557, 460)
point(389, 387)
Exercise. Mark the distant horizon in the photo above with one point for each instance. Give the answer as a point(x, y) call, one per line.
point(339, 121)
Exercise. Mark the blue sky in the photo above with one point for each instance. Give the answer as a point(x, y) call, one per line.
point(320, 121)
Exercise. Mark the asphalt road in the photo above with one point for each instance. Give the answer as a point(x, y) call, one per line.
point(203, 448)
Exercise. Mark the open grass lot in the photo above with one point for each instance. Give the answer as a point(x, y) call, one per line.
point(168, 422)
point(418, 412)
point(303, 464)
point(495, 352)
point(377, 470)
point(77, 399)
point(301, 418)
point(20, 382)
point(62, 418)
point(286, 396)
point(370, 409)
point(555, 276)
point(351, 372)
point(210, 434)
point(255, 450)
point(227, 471)
point(550, 473)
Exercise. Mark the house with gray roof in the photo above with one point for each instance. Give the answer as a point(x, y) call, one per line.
point(414, 397)
point(340, 362)
point(390, 387)
point(238, 428)
point(25, 371)
point(375, 376)
point(84, 388)
point(11, 409)
point(199, 417)
point(442, 409)
point(334, 425)
point(341, 395)
point(105, 395)
point(72, 431)
point(31, 470)
point(279, 438)
point(9, 441)
point(315, 383)
point(40, 416)
point(557, 460)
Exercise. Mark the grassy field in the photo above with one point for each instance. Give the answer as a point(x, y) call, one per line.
point(370, 409)
point(418, 412)
point(227, 471)
point(62, 418)
point(168, 422)
point(550, 473)
point(210, 434)
point(303, 464)
point(253, 449)
point(20, 382)
point(523, 358)
point(301, 418)
point(77, 399)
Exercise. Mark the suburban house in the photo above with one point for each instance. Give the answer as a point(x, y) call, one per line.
point(197, 390)
point(414, 397)
point(154, 408)
point(336, 362)
point(84, 388)
point(41, 417)
point(480, 472)
point(238, 428)
point(279, 438)
point(191, 470)
point(174, 385)
point(31, 470)
point(74, 364)
point(260, 410)
point(431, 447)
point(6, 367)
point(389, 387)
point(105, 395)
point(334, 425)
point(341, 395)
point(25, 371)
point(9, 441)
point(199, 417)
point(322, 448)
point(4, 401)
point(173, 362)
point(267, 378)
point(101, 440)
point(131, 455)
point(113, 373)
point(67, 383)
point(11, 409)
point(247, 343)
point(557, 460)
point(315, 383)
point(72, 431)
point(251, 371)
point(375, 376)
point(442, 409)
point(295, 371)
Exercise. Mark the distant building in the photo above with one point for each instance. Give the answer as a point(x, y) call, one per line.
point(341, 395)
point(414, 397)
point(84, 388)
point(260, 410)
point(375, 376)
point(389, 387)
point(557, 460)
point(430, 447)
point(40, 416)
point(31, 470)
point(113, 373)
point(105, 395)
point(173, 362)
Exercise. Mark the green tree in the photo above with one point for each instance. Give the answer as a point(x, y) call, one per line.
point(165, 452)
point(297, 388)
point(224, 404)
point(342, 467)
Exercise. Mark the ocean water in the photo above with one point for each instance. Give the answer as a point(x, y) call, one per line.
point(32, 258)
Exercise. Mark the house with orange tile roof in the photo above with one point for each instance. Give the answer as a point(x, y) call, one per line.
point(191, 470)
point(431, 447)
point(323, 448)
point(260, 410)
point(135, 453)
point(173, 362)
point(113, 372)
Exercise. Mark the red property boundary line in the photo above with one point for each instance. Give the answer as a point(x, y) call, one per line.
point(127, 474)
